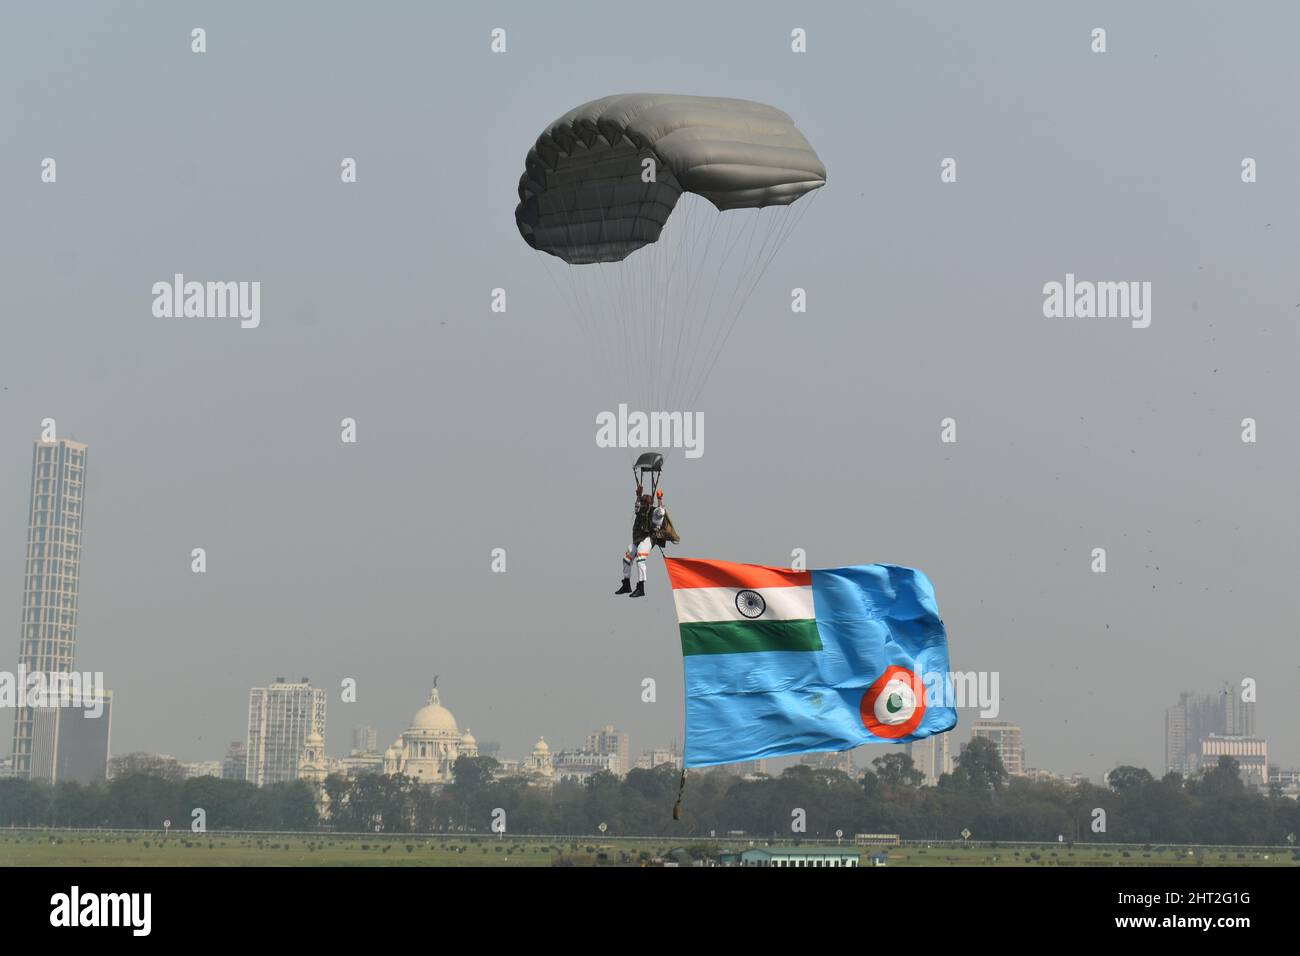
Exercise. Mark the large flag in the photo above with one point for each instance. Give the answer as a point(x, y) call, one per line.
point(784, 662)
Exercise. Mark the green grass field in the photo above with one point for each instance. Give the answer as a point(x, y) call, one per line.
point(71, 848)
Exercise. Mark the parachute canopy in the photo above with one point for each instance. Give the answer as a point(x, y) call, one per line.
point(583, 195)
point(655, 280)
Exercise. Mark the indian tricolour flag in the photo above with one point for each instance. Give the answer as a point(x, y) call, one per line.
point(782, 662)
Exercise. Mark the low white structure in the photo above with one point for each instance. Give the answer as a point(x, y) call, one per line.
point(203, 768)
point(658, 757)
point(580, 764)
point(800, 856)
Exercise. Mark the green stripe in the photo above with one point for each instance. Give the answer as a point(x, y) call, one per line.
point(749, 637)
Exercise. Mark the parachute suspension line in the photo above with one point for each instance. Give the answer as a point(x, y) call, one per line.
point(638, 272)
point(571, 298)
point(619, 301)
point(571, 295)
point(632, 319)
point(670, 323)
point(628, 288)
point(605, 279)
point(583, 295)
point(643, 334)
point(731, 313)
point(596, 276)
point(689, 297)
point(789, 224)
point(662, 297)
point(623, 302)
point(629, 309)
point(706, 319)
point(717, 245)
point(690, 332)
point(672, 305)
point(668, 309)
point(652, 314)
point(676, 308)
point(588, 304)
point(722, 272)
point(690, 232)
point(665, 297)
point(579, 309)
point(744, 273)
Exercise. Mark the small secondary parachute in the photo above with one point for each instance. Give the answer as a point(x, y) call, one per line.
point(658, 296)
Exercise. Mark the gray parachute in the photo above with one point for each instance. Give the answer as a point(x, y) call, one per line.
point(582, 196)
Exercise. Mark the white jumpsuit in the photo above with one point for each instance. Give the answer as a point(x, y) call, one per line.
point(641, 549)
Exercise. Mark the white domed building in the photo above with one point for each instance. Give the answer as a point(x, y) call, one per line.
point(428, 749)
point(541, 765)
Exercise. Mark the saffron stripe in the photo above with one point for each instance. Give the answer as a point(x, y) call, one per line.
point(695, 573)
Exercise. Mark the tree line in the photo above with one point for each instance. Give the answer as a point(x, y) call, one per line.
point(145, 790)
point(978, 797)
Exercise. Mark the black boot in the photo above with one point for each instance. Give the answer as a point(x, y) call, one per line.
point(640, 589)
point(625, 586)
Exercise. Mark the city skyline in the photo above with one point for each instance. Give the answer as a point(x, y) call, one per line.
point(59, 482)
point(1229, 730)
point(57, 489)
point(374, 561)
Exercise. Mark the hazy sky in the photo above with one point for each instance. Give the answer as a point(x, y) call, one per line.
point(476, 430)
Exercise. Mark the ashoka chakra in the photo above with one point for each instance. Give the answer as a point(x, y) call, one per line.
point(750, 603)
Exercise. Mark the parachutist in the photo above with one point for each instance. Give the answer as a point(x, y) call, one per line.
point(647, 519)
point(651, 526)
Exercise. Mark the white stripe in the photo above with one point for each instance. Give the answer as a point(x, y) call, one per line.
point(695, 605)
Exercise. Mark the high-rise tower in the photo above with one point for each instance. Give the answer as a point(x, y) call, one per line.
point(47, 641)
point(280, 719)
